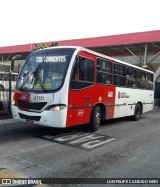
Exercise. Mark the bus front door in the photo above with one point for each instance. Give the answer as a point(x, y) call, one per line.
point(81, 93)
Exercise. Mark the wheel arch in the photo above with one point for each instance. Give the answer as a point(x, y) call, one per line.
point(103, 110)
point(140, 103)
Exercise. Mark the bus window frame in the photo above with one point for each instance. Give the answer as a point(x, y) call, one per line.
point(79, 84)
point(122, 74)
point(102, 79)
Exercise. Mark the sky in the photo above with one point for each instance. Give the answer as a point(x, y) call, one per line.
point(31, 21)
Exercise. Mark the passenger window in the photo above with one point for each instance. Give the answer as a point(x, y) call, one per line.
point(149, 81)
point(119, 75)
point(141, 79)
point(131, 77)
point(104, 71)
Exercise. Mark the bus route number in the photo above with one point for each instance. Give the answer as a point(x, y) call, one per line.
point(39, 98)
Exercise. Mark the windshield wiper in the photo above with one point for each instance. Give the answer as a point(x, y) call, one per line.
point(21, 88)
point(36, 75)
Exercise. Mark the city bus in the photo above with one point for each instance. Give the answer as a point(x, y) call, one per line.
point(68, 86)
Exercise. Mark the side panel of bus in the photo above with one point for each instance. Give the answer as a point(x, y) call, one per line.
point(126, 100)
point(110, 88)
point(104, 88)
point(105, 96)
point(82, 101)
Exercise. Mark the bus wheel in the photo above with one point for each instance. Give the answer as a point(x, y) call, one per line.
point(95, 120)
point(137, 112)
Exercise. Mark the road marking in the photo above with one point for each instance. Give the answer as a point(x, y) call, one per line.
point(81, 140)
point(92, 144)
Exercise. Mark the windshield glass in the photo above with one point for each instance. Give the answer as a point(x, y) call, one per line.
point(45, 70)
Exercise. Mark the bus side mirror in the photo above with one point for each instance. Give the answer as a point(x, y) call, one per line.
point(12, 65)
point(15, 66)
point(2, 87)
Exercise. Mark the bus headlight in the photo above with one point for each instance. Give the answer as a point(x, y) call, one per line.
point(57, 107)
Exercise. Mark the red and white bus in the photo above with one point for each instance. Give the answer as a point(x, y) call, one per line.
point(68, 86)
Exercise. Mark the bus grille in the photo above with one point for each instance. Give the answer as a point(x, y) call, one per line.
point(33, 106)
point(34, 118)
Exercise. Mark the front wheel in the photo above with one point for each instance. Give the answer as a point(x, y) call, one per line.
point(137, 112)
point(95, 119)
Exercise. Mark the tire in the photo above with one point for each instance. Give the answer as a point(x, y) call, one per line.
point(137, 112)
point(95, 120)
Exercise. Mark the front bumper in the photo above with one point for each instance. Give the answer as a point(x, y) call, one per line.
point(46, 118)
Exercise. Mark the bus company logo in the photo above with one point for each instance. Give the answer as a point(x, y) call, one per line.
point(123, 95)
point(24, 96)
point(80, 112)
point(110, 94)
point(6, 181)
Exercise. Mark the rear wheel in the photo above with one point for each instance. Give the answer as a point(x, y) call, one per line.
point(137, 112)
point(95, 119)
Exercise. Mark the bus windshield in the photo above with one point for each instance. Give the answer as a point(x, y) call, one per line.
point(44, 70)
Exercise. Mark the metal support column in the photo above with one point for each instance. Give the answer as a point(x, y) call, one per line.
point(10, 89)
point(2, 58)
point(144, 65)
point(145, 54)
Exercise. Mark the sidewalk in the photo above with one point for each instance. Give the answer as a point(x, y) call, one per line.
point(7, 121)
point(5, 117)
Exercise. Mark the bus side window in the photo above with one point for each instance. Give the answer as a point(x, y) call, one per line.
point(83, 73)
point(83, 70)
point(89, 71)
point(104, 71)
point(119, 75)
point(130, 77)
point(86, 69)
point(75, 75)
point(135, 79)
point(141, 79)
point(149, 81)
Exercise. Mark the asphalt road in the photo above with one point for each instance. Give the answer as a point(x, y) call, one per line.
point(120, 149)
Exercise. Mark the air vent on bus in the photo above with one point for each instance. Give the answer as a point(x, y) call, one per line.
point(34, 118)
point(33, 106)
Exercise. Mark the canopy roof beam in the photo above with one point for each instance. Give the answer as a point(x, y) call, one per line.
point(155, 56)
point(134, 55)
